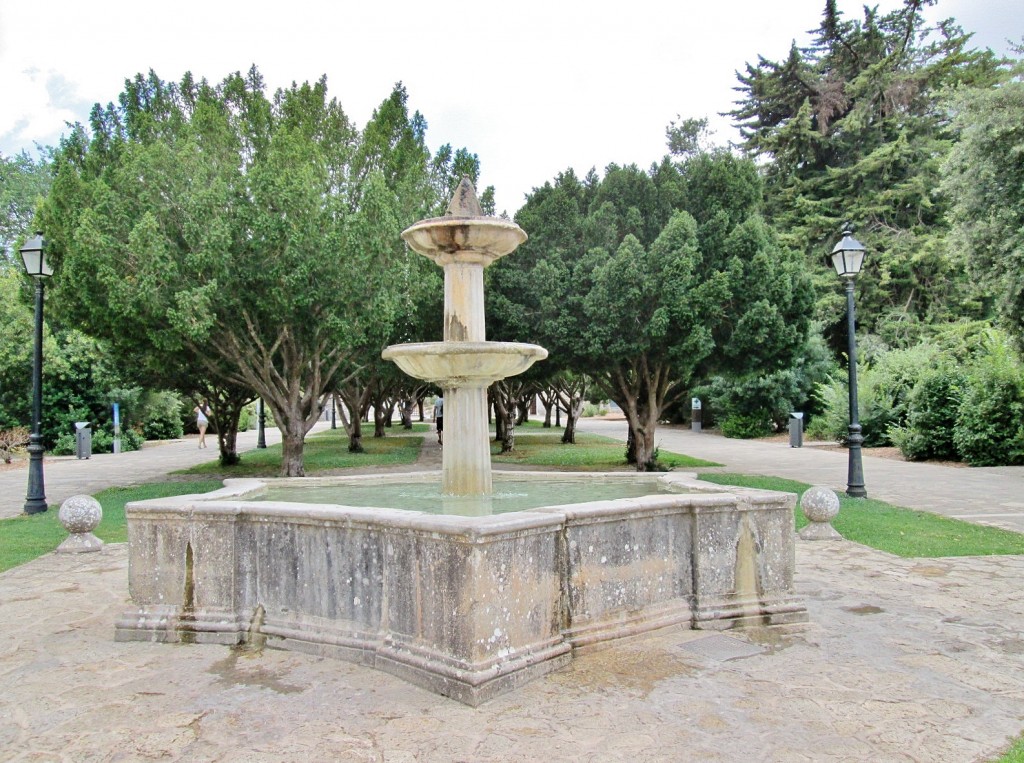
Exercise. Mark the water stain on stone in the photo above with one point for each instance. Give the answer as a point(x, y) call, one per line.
point(930, 571)
point(773, 639)
point(633, 670)
point(865, 609)
point(231, 673)
point(1011, 645)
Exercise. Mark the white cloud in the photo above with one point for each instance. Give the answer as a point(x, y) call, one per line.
point(532, 87)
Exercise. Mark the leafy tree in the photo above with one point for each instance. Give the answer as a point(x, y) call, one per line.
point(712, 294)
point(248, 239)
point(16, 327)
point(984, 178)
point(854, 129)
point(23, 182)
point(532, 295)
point(647, 330)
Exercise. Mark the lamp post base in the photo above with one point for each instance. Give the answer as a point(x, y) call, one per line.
point(35, 500)
point(855, 476)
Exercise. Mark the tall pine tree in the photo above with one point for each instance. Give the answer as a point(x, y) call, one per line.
point(853, 130)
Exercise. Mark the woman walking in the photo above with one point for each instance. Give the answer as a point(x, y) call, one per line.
point(202, 421)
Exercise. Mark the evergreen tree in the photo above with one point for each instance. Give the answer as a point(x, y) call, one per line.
point(984, 178)
point(23, 182)
point(239, 239)
point(854, 130)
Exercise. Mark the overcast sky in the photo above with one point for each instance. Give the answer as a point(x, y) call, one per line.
point(532, 87)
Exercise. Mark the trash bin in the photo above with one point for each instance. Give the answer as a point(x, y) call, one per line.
point(83, 439)
point(695, 414)
point(796, 430)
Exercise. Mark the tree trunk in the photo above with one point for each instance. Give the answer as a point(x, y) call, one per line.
point(292, 446)
point(355, 436)
point(569, 433)
point(227, 441)
point(643, 424)
point(572, 416)
point(523, 411)
point(226, 403)
point(504, 420)
point(351, 417)
point(571, 394)
point(408, 404)
point(499, 420)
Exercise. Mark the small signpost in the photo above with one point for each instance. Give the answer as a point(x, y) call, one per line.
point(117, 428)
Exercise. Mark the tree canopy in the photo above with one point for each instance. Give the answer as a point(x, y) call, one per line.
point(23, 182)
point(651, 282)
point(249, 239)
point(852, 129)
point(984, 178)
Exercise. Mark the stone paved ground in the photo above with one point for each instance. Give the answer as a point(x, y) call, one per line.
point(903, 660)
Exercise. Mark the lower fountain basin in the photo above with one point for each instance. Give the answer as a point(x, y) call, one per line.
point(451, 364)
point(468, 607)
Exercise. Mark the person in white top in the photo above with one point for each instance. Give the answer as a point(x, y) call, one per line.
point(202, 421)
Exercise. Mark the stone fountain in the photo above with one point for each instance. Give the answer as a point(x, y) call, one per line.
point(465, 364)
point(470, 604)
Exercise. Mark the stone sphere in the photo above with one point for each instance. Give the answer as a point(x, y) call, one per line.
point(80, 514)
point(820, 504)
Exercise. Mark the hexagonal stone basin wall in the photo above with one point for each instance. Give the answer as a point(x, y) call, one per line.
point(466, 606)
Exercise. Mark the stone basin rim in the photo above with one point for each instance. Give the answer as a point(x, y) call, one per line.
point(453, 221)
point(464, 364)
point(232, 500)
point(464, 348)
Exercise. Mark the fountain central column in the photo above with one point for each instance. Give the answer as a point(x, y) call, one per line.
point(463, 298)
point(466, 457)
point(463, 243)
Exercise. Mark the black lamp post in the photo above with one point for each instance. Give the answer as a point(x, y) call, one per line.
point(848, 257)
point(261, 424)
point(34, 256)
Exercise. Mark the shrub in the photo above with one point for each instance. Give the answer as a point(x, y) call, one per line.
point(102, 442)
point(990, 424)
point(10, 440)
point(131, 439)
point(64, 445)
point(161, 416)
point(758, 402)
point(933, 408)
point(747, 426)
point(882, 396)
point(590, 409)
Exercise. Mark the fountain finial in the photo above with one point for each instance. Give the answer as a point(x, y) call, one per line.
point(465, 203)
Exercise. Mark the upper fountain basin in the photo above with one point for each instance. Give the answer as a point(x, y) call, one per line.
point(451, 364)
point(464, 239)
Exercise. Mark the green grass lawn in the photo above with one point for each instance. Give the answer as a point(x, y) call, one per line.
point(874, 523)
point(325, 452)
point(1015, 754)
point(26, 537)
point(899, 531)
point(590, 453)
